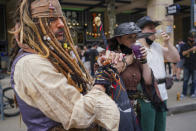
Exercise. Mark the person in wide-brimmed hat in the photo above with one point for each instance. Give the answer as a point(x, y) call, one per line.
point(137, 74)
point(128, 28)
point(151, 118)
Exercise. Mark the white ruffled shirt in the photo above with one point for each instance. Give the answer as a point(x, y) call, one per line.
point(155, 59)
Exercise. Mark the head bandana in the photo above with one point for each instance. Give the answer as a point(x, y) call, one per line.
point(46, 8)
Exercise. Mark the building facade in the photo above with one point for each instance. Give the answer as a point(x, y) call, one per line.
point(80, 16)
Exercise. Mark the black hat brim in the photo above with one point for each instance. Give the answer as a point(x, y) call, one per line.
point(143, 35)
point(139, 35)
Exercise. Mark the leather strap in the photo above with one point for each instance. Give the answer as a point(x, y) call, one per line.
point(161, 81)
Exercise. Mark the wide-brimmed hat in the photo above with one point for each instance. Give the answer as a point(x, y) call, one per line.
point(126, 29)
point(129, 28)
point(142, 22)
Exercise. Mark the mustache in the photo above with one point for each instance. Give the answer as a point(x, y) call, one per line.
point(59, 31)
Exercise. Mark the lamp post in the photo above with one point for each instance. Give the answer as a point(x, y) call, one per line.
point(111, 15)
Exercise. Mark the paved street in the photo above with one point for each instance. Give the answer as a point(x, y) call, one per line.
point(12, 124)
point(182, 122)
point(179, 122)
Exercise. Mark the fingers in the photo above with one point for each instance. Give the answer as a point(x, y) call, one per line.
point(114, 57)
point(143, 52)
point(118, 57)
point(121, 56)
point(165, 35)
point(119, 66)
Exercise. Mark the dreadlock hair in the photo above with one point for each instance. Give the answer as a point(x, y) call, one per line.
point(32, 31)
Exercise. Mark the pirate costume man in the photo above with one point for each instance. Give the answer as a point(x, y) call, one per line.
point(52, 88)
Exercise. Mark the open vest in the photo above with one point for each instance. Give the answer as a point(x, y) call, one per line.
point(34, 119)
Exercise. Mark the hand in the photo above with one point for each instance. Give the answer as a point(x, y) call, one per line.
point(193, 48)
point(165, 37)
point(116, 59)
point(104, 76)
point(143, 52)
point(120, 66)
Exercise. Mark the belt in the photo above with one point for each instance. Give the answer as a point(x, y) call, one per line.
point(57, 128)
point(134, 95)
point(161, 81)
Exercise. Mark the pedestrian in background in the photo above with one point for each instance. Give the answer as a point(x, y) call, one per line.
point(86, 56)
point(180, 64)
point(151, 119)
point(188, 52)
point(93, 57)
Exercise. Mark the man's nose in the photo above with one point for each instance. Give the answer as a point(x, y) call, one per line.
point(60, 23)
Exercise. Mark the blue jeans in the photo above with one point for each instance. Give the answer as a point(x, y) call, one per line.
point(187, 74)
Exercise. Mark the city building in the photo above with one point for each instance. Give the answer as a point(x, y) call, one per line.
point(174, 14)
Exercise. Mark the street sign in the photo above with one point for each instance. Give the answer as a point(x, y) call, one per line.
point(173, 9)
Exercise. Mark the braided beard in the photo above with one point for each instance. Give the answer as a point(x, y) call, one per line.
point(62, 60)
point(60, 33)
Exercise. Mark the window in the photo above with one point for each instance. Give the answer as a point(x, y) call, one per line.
point(3, 31)
point(2, 23)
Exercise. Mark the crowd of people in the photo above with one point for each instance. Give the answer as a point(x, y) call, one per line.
point(61, 87)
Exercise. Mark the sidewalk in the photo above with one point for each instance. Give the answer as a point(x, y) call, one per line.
point(174, 106)
point(10, 123)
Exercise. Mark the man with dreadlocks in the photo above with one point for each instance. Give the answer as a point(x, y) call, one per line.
point(48, 83)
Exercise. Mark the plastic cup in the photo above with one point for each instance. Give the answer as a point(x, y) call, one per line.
point(136, 51)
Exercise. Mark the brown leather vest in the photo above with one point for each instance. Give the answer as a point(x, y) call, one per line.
point(132, 75)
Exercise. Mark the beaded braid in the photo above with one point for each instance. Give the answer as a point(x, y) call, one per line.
point(69, 63)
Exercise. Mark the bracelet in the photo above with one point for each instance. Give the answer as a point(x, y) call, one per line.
point(143, 61)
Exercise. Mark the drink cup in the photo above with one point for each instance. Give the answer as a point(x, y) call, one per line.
point(136, 51)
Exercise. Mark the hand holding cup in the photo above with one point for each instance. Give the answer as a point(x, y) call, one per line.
point(140, 53)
